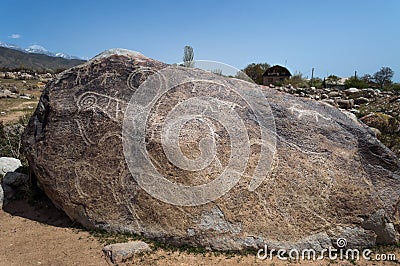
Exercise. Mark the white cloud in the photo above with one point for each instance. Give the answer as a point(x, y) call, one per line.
point(15, 36)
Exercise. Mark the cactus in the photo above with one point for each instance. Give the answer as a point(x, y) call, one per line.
point(188, 56)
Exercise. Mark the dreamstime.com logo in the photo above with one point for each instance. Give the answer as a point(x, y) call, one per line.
point(208, 99)
point(331, 253)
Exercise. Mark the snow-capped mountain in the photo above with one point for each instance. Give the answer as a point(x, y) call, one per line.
point(66, 56)
point(11, 46)
point(37, 49)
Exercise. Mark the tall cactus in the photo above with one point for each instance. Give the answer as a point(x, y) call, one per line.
point(188, 57)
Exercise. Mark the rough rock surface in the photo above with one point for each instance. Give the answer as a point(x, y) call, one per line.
point(15, 179)
point(329, 172)
point(120, 252)
point(7, 193)
point(384, 230)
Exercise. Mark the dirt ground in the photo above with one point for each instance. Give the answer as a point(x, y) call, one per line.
point(12, 109)
point(39, 234)
point(42, 235)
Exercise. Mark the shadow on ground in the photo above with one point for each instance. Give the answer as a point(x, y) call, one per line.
point(42, 211)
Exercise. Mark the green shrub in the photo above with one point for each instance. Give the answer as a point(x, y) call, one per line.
point(10, 138)
point(395, 87)
point(355, 82)
point(297, 81)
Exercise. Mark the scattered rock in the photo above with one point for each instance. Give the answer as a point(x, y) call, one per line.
point(361, 100)
point(7, 92)
point(15, 179)
point(14, 89)
point(24, 97)
point(12, 96)
point(8, 164)
point(345, 104)
point(385, 231)
point(334, 94)
point(377, 132)
point(354, 238)
point(354, 111)
point(121, 252)
point(384, 122)
point(8, 193)
point(1, 196)
point(352, 90)
point(330, 102)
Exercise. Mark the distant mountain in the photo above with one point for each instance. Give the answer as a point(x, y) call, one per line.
point(37, 49)
point(11, 46)
point(35, 60)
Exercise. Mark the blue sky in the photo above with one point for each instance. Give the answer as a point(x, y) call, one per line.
point(335, 37)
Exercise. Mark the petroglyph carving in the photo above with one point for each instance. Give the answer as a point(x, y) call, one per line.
point(304, 112)
point(110, 106)
point(139, 76)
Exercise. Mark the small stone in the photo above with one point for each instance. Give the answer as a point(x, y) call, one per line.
point(24, 97)
point(120, 252)
point(352, 90)
point(8, 193)
point(191, 232)
point(333, 94)
point(15, 179)
point(12, 96)
point(345, 104)
point(1, 197)
point(9, 164)
point(355, 111)
point(377, 133)
point(361, 100)
point(354, 238)
point(377, 222)
point(7, 92)
point(324, 96)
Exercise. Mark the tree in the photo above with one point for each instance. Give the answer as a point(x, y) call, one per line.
point(384, 76)
point(256, 71)
point(317, 83)
point(188, 56)
point(367, 78)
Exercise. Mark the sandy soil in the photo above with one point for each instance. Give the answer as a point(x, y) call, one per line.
point(40, 234)
point(18, 110)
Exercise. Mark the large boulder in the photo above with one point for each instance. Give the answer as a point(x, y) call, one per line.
point(118, 154)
